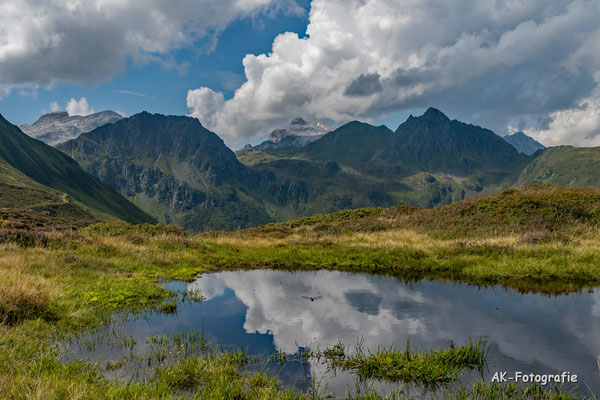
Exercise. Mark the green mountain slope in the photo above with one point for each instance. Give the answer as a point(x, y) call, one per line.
point(563, 166)
point(26, 201)
point(428, 161)
point(540, 212)
point(174, 169)
point(53, 169)
point(352, 144)
point(430, 143)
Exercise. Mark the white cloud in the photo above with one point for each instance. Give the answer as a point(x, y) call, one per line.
point(363, 59)
point(579, 126)
point(138, 94)
point(82, 41)
point(206, 103)
point(80, 107)
point(279, 308)
point(54, 106)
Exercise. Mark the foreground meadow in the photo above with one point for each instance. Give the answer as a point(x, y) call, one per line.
point(57, 282)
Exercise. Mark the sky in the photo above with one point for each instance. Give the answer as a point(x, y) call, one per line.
point(245, 67)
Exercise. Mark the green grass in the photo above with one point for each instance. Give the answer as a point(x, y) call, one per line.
point(18, 305)
point(35, 205)
point(479, 391)
point(253, 156)
point(537, 208)
point(223, 375)
point(564, 166)
point(392, 364)
point(54, 283)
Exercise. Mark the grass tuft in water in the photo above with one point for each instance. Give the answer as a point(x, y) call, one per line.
point(222, 375)
point(439, 366)
point(169, 308)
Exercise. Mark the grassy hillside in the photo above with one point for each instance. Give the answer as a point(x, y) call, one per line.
point(563, 166)
point(52, 168)
point(538, 210)
point(251, 156)
point(25, 202)
point(352, 144)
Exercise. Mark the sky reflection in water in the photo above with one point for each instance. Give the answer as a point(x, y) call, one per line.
point(269, 311)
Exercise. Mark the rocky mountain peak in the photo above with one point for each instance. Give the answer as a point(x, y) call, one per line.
point(433, 114)
point(523, 143)
point(58, 127)
point(299, 121)
point(55, 115)
point(298, 134)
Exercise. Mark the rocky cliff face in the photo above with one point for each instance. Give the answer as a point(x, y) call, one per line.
point(299, 133)
point(58, 127)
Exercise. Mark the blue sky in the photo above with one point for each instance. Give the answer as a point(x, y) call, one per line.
point(161, 89)
point(532, 66)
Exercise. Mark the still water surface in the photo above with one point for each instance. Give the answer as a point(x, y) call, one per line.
point(266, 311)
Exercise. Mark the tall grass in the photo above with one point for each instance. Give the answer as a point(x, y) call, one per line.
point(17, 305)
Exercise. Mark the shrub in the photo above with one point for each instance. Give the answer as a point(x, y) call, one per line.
point(122, 228)
point(23, 237)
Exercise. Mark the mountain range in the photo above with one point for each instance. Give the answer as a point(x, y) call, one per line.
point(58, 127)
point(177, 171)
point(174, 169)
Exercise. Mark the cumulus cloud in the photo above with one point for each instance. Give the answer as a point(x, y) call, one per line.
point(81, 41)
point(80, 107)
point(206, 103)
point(54, 106)
point(493, 62)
